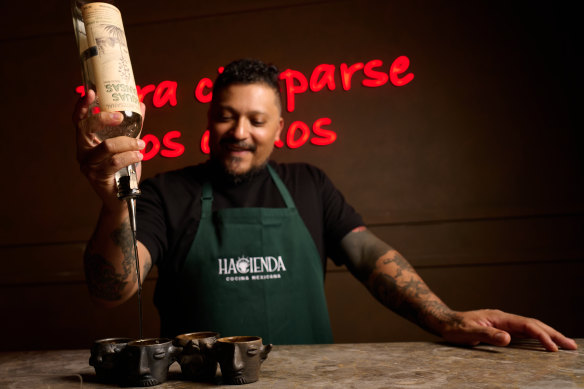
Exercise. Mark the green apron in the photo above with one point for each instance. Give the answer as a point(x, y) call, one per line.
point(255, 271)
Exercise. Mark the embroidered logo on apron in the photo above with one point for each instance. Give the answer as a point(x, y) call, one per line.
point(251, 268)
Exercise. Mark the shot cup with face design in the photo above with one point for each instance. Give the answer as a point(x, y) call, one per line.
point(106, 358)
point(197, 359)
point(240, 358)
point(146, 361)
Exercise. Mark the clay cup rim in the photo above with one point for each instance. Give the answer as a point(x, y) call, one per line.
point(239, 339)
point(149, 342)
point(197, 335)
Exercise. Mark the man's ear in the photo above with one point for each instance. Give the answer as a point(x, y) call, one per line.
point(280, 128)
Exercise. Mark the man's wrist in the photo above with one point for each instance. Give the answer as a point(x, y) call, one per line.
point(437, 318)
point(114, 207)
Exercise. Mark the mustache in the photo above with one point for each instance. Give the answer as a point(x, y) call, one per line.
point(234, 144)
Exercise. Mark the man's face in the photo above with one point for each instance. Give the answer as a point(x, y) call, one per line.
point(244, 121)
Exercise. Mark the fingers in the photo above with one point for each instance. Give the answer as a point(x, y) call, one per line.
point(537, 330)
point(90, 126)
point(566, 343)
point(473, 335)
point(496, 327)
point(98, 122)
point(547, 336)
point(82, 107)
point(114, 153)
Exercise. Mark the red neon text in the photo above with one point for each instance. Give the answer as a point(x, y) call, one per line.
point(323, 75)
point(203, 92)
point(292, 88)
point(325, 137)
point(376, 78)
point(205, 142)
point(347, 73)
point(371, 74)
point(399, 66)
point(162, 94)
point(153, 147)
point(297, 135)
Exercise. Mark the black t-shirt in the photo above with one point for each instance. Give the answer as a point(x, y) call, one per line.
point(169, 209)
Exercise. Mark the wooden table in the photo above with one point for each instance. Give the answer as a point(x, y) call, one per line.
point(370, 365)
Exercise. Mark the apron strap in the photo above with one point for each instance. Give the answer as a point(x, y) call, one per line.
point(206, 200)
point(207, 195)
point(282, 188)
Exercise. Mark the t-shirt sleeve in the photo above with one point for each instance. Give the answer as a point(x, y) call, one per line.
point(340, 218)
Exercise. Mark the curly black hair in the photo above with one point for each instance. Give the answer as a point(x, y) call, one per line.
point(248, 71)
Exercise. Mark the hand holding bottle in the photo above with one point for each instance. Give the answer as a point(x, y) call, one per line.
point(100, 160)
point(106, 69)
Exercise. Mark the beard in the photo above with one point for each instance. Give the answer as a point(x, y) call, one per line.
point(227, 172)
point(228, 169)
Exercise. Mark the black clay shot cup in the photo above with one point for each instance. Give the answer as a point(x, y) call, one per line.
point(197, 359)
point(146, 361)
point(106, 358)
point(240, 358)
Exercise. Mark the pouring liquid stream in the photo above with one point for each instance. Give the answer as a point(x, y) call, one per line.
point(127, 190)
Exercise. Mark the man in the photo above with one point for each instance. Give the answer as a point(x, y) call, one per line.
point(241, 242)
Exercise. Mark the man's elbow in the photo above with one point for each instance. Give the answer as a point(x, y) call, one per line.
point(109, 295)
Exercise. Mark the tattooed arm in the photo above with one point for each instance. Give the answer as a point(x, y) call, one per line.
point(394, 282)
point(109, 261)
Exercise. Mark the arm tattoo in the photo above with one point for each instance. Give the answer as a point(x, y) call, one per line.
point(123, 238)
point(441, 314)
point(394, 282)
point(102, 279)
point(391, 286)
point(396, 285)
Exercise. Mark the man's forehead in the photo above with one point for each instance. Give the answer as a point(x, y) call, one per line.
point(219, 100)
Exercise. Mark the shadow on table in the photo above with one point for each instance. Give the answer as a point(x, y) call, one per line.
point(522, 344)
point(480, 347)
point(172, 377)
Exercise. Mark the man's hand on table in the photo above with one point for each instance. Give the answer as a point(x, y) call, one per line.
point(496, 327)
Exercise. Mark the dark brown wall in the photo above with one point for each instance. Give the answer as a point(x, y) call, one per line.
point(473, 170)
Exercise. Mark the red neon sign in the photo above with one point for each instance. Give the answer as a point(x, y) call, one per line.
point(376, 78)
point(399, 66)
point(163, 93)
point(153, 147)
point(323, 75)
point(291, 139)
point(205, 142)
point(297, 135)
point(202, 90)
point(293, 88)
point(347, 73)
point(325, 137)
point(296, 83)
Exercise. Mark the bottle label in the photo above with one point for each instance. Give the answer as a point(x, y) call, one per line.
point(114, 79)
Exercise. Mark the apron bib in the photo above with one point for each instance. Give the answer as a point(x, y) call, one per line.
point(254, 271)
